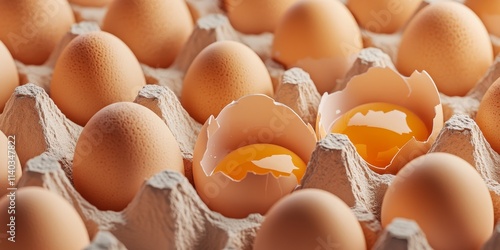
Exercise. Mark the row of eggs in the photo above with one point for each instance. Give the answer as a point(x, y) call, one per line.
point(103, 51)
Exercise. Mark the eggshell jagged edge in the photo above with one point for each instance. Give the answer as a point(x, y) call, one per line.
point(417, 93)
point(259, 120)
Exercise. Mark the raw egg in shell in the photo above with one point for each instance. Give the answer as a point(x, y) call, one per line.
point(389, 118)
point(251, 155)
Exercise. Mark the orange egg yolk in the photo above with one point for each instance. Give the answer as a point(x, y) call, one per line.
point(379, 130)
point(261, 159)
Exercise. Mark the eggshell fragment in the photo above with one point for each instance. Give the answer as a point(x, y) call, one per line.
point(95, 69)
point(252, 119)
point(155, 30)
point(43, 220)
point(122, 145)
point(9, 78)
point(310, 219)
point(386, 85)
point(31, 29)
point(447, 40)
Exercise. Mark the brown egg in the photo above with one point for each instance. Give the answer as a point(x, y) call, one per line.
point(31, 29)
point(36, 218)
point(383, 16)
point(310, 219)
point(447, 40)
point(255, 16)
point(91, 3)
point(319, 36)
point(223, 72)
point(155, 30)
point(94, 70)
point(488, 115)
point(123, 145)
point(9, 164)
point(9, 77)
point(489, 12)
point(448, 199)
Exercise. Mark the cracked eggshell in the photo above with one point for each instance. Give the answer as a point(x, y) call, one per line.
point(418, 93)
point(9, 77)
point(252, 119)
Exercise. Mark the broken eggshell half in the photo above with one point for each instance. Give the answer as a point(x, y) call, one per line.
point(417, 93)
point(251, 120)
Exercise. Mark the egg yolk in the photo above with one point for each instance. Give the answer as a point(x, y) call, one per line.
point(379, 130)
point(261, 159)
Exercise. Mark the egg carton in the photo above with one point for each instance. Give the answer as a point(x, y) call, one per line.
point(167, 212)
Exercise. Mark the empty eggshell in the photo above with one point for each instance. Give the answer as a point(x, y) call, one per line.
point(387, 86)
point(310, 219)
point(447, 40)
point(31, 29)
point(448, 199)
point(42, 220)
point(9, 164)
point(255, 16)
point(250, 120)
point(123, 145)
point(155, 30)
point(94, 70)
point(319, 36)
point(9, 77)
point(383, 16)
point(223, 72)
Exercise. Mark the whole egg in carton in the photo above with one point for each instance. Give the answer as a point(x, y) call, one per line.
point(335, 156)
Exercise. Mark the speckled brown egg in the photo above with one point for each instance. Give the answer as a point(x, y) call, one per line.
point(488, 115)
point(9, 78)
point(447, 40)
point(43, 220)
point(155, 30)
point(123, 145)
point(319, 36)
point(94, 70)
point(310, 219)
point(255, 16)
point(31, 29)
point(223, 72)
point(447, 198)
point(489, 12)
point(383, 16)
